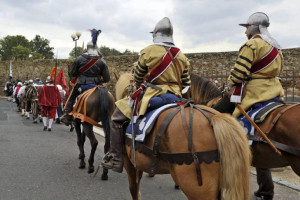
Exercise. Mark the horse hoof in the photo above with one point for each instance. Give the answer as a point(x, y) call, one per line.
point(104, 177)
point(176, 187)
point(150, 176)
point(82, 165)
point(91, 170)
point(71, 129)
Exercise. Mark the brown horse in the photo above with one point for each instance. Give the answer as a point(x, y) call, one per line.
point(285, 134)
point(31, 100)
point(187, 152)
point(99, 107)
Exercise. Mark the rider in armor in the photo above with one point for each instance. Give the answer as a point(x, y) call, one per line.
point(256, 71)
point(88, 71)
point(173, 78)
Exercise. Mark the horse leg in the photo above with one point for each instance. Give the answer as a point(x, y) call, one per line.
point(71, 126)
point(34, 111)
point(88, 130)
point(294, 162)
point(80, 143)
point(134, 178)
point(188, 182)
point(104, 175)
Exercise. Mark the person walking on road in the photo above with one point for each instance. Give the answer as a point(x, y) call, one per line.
point(49, 98)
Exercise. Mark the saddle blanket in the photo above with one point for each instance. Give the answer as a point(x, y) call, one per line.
point(253, 111)
point(144, 125)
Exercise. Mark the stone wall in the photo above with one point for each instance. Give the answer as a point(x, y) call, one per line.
point(206, 64)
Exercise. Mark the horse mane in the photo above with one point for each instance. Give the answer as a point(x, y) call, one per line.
point(203, 90)
point(122, 84)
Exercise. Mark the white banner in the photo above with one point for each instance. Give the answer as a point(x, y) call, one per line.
point(10, 69)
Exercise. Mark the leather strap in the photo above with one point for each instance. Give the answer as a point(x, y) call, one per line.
point(177, 68)
point(178, 158)
point(281, 146)
point(274, 121)
point(160, 133)
point(88, 65)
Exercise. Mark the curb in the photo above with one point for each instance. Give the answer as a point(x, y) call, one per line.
point(98, 131)
point(282, 182)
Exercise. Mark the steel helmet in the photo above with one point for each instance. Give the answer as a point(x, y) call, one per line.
point(48, 80)
point(163, 31)
point(259, 21)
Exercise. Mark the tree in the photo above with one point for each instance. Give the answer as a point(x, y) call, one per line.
point(79, 51)
point(106, 51)
point(35, 56)
point(41, 45)
point(16, 47)
point(7, 44)
point(20, 53)
point(128, 52)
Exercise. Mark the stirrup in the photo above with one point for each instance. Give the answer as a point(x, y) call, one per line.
point(108, 162)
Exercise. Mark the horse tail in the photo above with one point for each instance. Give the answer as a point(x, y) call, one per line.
point(235, 157)
point(104, 110)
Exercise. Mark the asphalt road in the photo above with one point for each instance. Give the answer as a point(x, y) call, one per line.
point(42, 165)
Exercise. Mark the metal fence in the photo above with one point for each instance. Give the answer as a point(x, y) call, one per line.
point(290, 79)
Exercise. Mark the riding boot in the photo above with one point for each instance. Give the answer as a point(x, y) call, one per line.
point(66, 118)
point(265, 183)
point(114, 158)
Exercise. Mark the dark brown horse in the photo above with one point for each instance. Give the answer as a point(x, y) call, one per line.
point(285, 134)
point(188, 154)
point(98, 107)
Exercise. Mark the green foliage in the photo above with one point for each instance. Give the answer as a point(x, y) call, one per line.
point(128, 52)
point(41, 46)
point(20, 52)
point(7, 44)
point(79, 51)
point(19, 48)
point(105, 51)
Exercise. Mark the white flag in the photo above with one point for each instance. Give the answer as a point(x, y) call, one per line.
point(10, 69)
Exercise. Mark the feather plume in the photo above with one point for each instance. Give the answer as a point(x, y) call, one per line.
point(95, 33)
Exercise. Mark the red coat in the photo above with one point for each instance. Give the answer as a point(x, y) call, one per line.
point(49, 96)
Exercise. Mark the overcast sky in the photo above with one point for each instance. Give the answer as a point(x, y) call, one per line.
point(199, 25)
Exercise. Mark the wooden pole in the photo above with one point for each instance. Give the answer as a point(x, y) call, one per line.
point(258, 129)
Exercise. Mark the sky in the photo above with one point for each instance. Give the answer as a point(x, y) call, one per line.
point(199, 25)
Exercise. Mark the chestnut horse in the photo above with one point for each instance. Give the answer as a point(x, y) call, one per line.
point(285, 134)
point(173, 151)
point(99, 107)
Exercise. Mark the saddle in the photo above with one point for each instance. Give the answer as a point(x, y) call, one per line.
point(156, 106)
point(262, 114)
point(81, 101)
